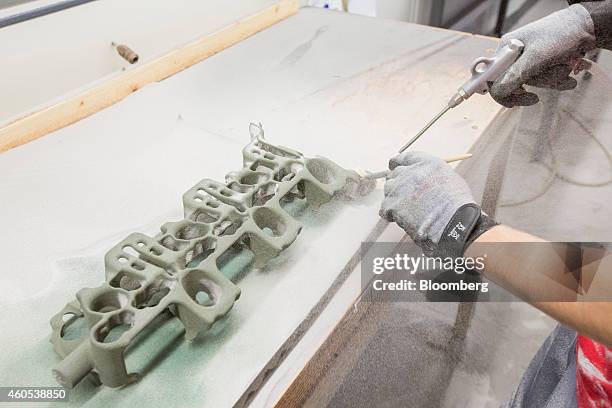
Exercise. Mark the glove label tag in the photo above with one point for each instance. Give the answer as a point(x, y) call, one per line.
point(457, 231)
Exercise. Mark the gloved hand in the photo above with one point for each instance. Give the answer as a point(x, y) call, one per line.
point(431, 202)
point(554, 47)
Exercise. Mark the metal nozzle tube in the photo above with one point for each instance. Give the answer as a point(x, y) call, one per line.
point(427, 126)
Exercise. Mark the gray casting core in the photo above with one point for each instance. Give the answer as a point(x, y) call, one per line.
point(179, 267)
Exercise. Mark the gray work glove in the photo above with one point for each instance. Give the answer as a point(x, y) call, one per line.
point(422, 194)
point(433, 204)
point(554, 47)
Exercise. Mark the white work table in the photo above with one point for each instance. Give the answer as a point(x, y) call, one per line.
point(350, 88)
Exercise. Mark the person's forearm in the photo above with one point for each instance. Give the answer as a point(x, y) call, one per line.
point(601, 13)
point(536, 273)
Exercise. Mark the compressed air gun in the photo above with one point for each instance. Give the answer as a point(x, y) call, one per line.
point(484, 72)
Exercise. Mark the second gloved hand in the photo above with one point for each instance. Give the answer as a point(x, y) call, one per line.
point(554, 46)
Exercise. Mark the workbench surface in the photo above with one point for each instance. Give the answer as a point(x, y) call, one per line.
point(346, 87)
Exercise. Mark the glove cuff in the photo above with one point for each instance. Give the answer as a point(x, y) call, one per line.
point(601, 13)
point(467, 224)
point(483, 224)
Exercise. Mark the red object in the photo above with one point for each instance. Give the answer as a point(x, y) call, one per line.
point(593, 374)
